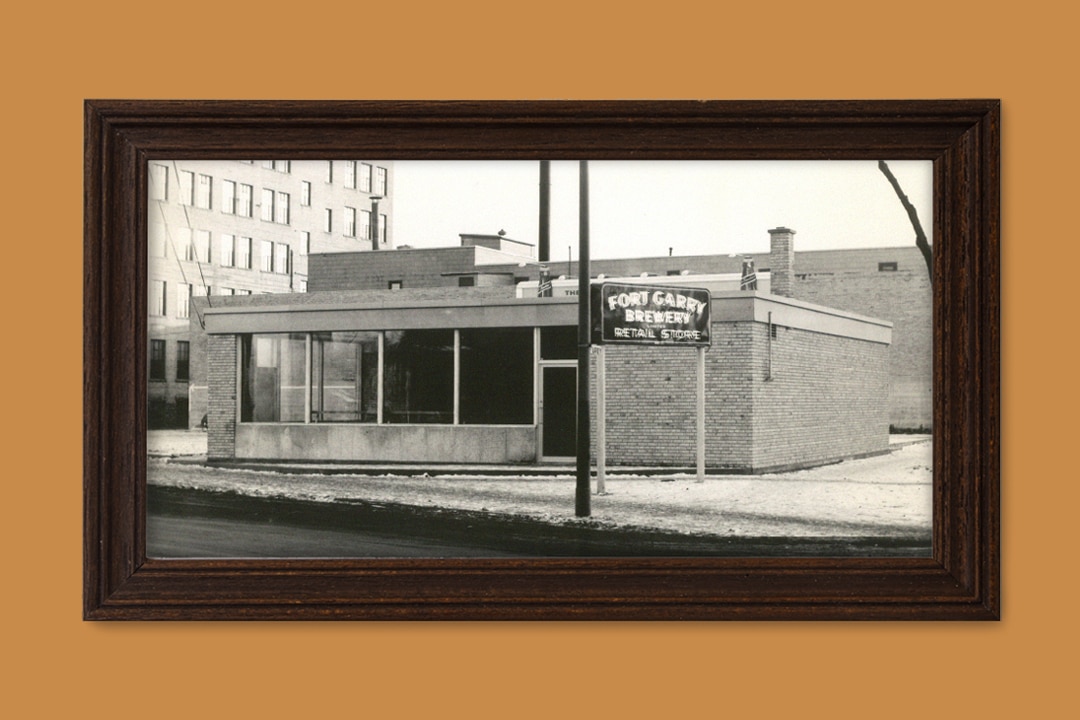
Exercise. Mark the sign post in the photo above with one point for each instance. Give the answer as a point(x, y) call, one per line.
point(701, 413)
point(633, 314)
point(601, 419)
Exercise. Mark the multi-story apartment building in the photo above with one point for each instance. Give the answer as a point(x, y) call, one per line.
point(222, 228)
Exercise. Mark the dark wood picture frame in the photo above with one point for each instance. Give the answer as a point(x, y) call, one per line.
point(960, 581)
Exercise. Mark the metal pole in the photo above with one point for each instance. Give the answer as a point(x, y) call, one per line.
point(701, 414)
point(544, 248)
point(601, 418)
point(582, 499)
point(457, 377)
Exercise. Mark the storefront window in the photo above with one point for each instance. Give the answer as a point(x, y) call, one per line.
point(418, 376)
point(558, 343)
point(496, 376)
point(273, 377)
point(344, 377)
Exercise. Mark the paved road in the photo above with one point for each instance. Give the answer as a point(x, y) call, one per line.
point(196, 523)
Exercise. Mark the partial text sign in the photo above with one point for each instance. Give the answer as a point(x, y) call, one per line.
point(650, 315)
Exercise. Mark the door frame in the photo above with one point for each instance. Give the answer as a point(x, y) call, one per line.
point(541, 366)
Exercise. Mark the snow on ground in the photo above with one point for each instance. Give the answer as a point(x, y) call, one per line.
point(886, 495)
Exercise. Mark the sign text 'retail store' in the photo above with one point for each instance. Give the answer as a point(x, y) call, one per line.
point(651, 315)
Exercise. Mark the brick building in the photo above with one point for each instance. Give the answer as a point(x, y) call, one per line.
point(463, 372)
point(887, 283)
point(226, 228)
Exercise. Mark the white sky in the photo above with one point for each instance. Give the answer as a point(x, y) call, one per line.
point(643, 208)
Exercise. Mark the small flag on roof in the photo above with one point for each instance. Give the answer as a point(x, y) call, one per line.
point(749, 276)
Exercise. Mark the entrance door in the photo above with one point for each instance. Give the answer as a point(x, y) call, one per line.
point(558, 416)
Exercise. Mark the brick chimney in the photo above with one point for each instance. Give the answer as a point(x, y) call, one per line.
point(782, 261)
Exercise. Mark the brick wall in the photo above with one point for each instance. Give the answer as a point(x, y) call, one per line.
point(904, 298)
point(375, 271)
point(825, 400)
point(221, 377)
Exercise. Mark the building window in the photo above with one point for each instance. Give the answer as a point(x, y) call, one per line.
point(887, 267)
point(350, 174)
point(380, 181)
point(365, 224)
point(281, 258)
point(183, 234)
point(281, 209)
point(305, 193)
point(159, 182)
point(301, 285)
point(183, 300)
point(394, 285)
point(183, 359)
point(202, 245)
point(244, 206)
point(266, 210)
point(157, 298)
point(365, 177)
point(157, 359)
point(350, 222)
point(187, 187)
point(558, 343)
point(243, 253)
point(496, 379)
point(466, 281)
point(418, 376)
point(345, 377)
point(283, 165)
point(204, 192)
point(273, 377)
point(268, 164)
point(382, 228)
point(329, 171)
point(305, 242)
point(228, 197)
point(328, 220)
point(228, 250)
point(225, 291)
point(266, 256)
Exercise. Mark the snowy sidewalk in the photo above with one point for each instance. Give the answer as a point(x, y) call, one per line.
point(887, 495)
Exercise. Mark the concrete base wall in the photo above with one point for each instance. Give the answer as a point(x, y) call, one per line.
point(498, 444)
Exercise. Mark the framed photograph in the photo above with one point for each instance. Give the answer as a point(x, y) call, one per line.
point(635, 360)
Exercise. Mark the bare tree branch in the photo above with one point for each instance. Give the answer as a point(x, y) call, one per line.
point(920, 237)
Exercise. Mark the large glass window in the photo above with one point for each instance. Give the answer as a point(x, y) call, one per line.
point(228, 197)
point(418, 377)
point(345, 377)
point(496, 376)
point(558, 343)
point(159, 182)
point(244, 206)
point(273, 377)
point(157, 359)
point(204, 192)
point(183, 359)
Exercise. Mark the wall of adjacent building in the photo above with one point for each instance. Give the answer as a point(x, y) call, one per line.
point(177, 212)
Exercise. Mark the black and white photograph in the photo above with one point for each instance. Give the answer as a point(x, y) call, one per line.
point(379, 358)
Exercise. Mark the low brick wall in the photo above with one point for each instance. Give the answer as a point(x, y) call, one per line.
point(221, 406)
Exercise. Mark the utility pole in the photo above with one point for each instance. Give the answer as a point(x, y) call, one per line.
point(544, 249)
point(582, 495)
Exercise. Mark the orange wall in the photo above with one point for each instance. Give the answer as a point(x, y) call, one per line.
point(54, 56)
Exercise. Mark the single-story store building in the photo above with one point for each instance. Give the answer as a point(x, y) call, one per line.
point(477, 375)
